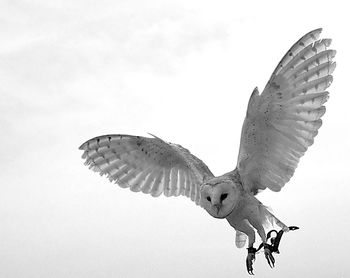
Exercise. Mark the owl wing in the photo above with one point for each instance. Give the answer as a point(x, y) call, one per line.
point(282, 122)
point(149, 165)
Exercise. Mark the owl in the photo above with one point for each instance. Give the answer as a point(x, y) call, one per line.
point(279, 126)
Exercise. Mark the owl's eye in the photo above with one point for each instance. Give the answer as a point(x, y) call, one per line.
point(223, 196)
point(209, 199)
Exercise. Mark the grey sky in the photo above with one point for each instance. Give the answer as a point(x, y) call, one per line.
point(183, 70)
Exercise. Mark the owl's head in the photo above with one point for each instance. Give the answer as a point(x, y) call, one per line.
point(219, 196)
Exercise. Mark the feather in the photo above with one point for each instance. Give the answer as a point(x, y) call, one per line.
point(157, 188)
point(187, 185)
point(173, 180)
point(283, 121)
point(167, 187)
point(147, 186)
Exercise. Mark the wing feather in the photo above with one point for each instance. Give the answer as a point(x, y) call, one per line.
point(173, 178)
point(283, 121)
point(157, 188)
point(147, 185)
point(149, 165)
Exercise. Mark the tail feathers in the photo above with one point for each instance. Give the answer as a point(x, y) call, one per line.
point(241, 239)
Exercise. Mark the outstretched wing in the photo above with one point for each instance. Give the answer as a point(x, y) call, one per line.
point(282, 122)
point(149, 165)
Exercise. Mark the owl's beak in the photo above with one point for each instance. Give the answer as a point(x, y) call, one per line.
point(217, 207)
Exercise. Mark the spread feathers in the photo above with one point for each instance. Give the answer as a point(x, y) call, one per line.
point(282, 122)
point(149, 165)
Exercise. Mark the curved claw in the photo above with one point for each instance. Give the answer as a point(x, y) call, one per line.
point(293, 228)
point(269, 257)
point(249, 263)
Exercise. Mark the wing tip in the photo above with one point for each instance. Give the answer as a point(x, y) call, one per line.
point(110, 136)
point(316, 32)
point(314, 35)
point(82, 146)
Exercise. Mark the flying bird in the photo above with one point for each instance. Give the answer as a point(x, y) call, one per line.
point(279, 126)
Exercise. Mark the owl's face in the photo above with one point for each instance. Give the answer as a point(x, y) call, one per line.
point(219, 197)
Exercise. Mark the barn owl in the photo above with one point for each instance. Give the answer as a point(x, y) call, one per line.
point(279, 126)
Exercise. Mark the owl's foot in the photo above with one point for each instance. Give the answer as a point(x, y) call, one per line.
point(268, 249)
point(273, 247)
point(275, 241)
point(250, 259)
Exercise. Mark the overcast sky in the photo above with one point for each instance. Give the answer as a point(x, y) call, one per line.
point(183, 70)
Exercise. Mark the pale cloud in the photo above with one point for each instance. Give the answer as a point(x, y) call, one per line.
point(55, 57)
point(49, 47)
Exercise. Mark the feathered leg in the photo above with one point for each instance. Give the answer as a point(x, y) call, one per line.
point(244, 227)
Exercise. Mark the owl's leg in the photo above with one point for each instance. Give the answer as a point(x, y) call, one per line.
point(244, 227)
point(267, 250)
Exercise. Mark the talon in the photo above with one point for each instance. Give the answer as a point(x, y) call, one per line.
point(293, 228)
point(269, 257)
point(275, 241)
point(249, 262)
point(250, 259)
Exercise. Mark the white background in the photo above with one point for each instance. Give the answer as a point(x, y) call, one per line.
point(183, 70)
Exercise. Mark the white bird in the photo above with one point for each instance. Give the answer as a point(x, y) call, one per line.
point(279, 126)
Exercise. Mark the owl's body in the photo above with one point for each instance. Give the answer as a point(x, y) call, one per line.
point(247, 214)
point(279, 126)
